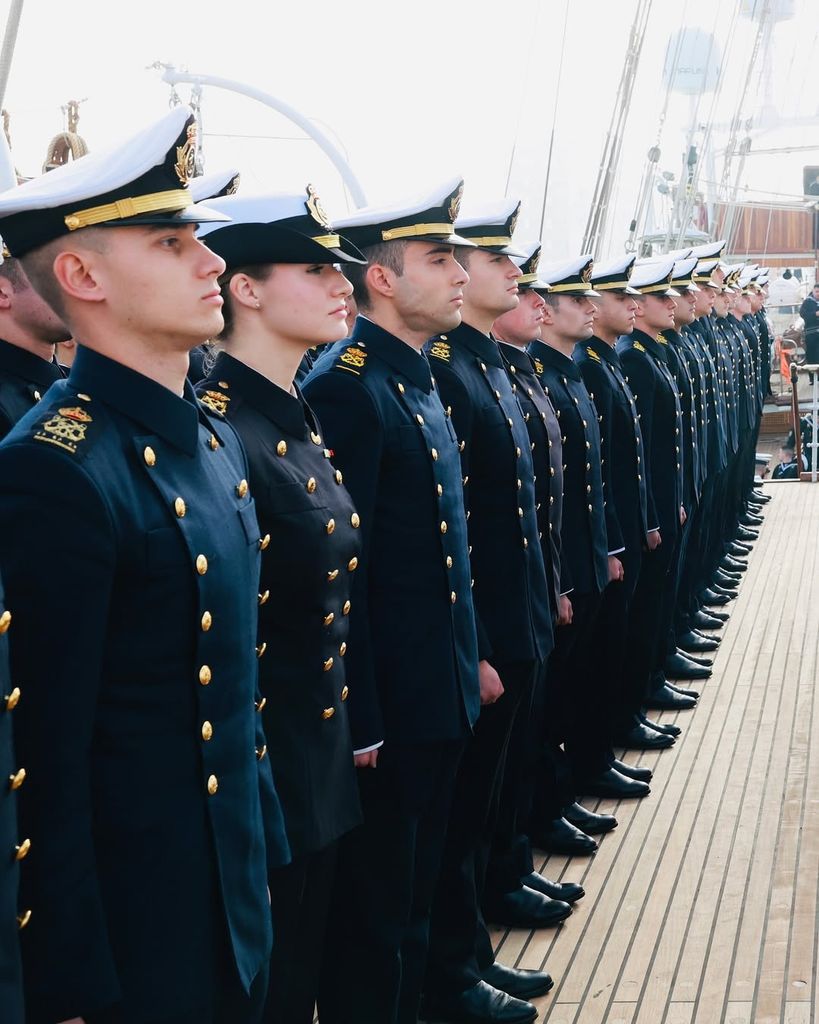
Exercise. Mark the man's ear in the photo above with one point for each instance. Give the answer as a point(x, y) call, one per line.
point(380, 280)
point(76, 275)
point(6, 292)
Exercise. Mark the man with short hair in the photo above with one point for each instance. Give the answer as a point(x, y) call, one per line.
point(149, 801)
point(809, 311)
point(464, 983)
point(414, 678)
point(29, 334)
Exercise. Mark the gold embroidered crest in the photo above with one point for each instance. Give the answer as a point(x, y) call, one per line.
point(455, 203)
point(640, 347)
point(315, 209)
point(215, 401)
point(593, 355)
point(661, 339)
point(533, 262)
point(185, 165)
point(513, 221)
point(66, 428)
point(586, 272)
point(354, 356)
point(441, 350)
point(538, 367)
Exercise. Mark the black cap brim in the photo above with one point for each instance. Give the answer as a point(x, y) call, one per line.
point(246, 244)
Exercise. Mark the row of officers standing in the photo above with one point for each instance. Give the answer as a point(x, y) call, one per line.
point(307, 643)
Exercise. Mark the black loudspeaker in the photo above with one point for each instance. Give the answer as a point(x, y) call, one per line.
point(810, 181)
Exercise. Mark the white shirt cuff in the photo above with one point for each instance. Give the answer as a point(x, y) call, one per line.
point(617, 552)
point(366, 750)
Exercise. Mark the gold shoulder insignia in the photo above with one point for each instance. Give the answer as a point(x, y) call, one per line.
point(593, 355)
point(352, 359)
point(215, 401)
point(441, 350)
point(538, 367)
point(66, 428)
point(639, 346)
point(662, 340)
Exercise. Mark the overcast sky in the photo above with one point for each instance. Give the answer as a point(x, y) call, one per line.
point(415, 92)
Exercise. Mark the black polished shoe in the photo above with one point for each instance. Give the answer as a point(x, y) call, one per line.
point(560, 836)
point(679, 667)
point(589, 822)
point(706, 620)
point(733, 564)
point(481, 1004)
point(665, 699)
point(667, 728)
point(737, 550)
point(611, 784)
point(568, 892)
point(640, 736)
point(633, 771)
point(723, 616)
point(727, 577)
point(729, 592)
point(520, 984)
point(710, 597)
point(751, 521)
point(709, 636)
point(743, 533)
point(525, 908)
point(695, 643)
point(685, 692)
point(700, 659)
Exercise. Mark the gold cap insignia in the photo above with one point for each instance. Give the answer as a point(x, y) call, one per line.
point(513, 223)
point(586, 273)
point(315, 209)
point(534, 261)
point(455, 203)
point(185, 165)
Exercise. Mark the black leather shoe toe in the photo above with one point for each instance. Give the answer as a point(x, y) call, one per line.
point(568, 892)
point(679, 667)
point(733, 564)
point(641, 737)
point(705, 620)
point(700, 659)
point(739, 550)
point(665, 699)
point(694, 643)
point(716, 613)
point(667, 728)
point(525, 908)
point(710, 597)
point(560, 836)
point(633, 771)
point(589, 822)
point(727, 578)
point(709, 636)
point(743, 533)
point(614, 786)
point(481, 1004)
point(520, 984)
point(730, 592)
point(683, 690)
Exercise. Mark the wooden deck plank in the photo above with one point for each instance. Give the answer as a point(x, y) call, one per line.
point(703, 905)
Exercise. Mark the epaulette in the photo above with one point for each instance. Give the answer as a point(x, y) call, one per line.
point(66, 428)
point(441, 350)
point(590, 352)
point(215, 401)
point(638, 345)
point(353, 359)
point(538, 367)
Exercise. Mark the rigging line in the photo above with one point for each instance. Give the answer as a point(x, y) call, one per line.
point(612, 147)
point(532, 38)
point(705, 142)
point(554, 121)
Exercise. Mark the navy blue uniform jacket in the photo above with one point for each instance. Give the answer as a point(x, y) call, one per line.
point(585, 541)
point(130, 554)
point(511, 593)
point(412, 667)
point(304, 599)
point(621, 440)
point(658, 405)
point(24, 379)
point(547, 460)
point(13, 847)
